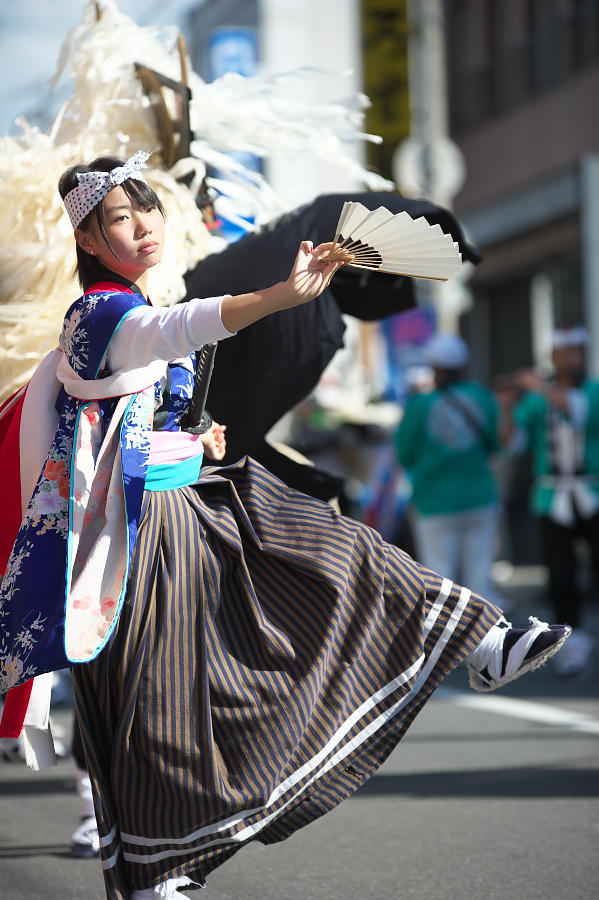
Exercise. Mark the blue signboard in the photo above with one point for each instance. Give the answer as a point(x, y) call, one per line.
point(232, 49)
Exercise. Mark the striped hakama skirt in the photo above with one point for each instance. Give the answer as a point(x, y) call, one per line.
point(269, 657)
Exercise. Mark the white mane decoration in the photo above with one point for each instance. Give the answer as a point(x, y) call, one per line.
point(108, 114)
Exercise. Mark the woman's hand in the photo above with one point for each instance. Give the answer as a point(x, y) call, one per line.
point(529, 380)
point(310, 274)
point(214, 441)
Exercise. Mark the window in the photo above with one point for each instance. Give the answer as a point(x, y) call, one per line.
point(502, 52)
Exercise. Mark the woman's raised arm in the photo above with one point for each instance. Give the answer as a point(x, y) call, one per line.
point(309, 277)
point(149, 333)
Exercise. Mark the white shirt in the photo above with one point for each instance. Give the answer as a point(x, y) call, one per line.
point(150, 333)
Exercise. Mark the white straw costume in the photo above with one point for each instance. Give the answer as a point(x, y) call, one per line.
point(107, 114)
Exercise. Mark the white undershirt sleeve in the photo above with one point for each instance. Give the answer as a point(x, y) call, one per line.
point(518, 443)
point(149, 333)
point(578, 407)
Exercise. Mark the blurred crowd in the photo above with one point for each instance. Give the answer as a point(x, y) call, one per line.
point(472, 475)
point(450, 435)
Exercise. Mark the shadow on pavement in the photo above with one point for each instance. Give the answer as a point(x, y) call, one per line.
point(41, 850)
point(549, 734)
point(517, 782)
point(35, 786)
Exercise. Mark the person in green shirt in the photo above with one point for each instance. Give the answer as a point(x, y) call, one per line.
point(444, 441)
point(557, 421)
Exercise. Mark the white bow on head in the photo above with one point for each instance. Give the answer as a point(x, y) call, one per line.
point(93, 186)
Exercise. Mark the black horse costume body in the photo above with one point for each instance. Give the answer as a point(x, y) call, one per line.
point(275, 363)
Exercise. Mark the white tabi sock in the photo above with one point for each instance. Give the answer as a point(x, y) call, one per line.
point(84, 789)
point(166, 890)
point(491, 645)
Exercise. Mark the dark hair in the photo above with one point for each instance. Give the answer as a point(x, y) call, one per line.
point(446, 377)
point(89, 269)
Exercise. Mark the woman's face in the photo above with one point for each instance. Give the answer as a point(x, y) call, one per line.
point(135, 233)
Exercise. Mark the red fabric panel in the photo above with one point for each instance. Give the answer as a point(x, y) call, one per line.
point(15, 707)
point(10, 521)
point(109, 286)
point(17, 699)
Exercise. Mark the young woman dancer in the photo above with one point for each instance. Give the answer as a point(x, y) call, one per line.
point(244, 658)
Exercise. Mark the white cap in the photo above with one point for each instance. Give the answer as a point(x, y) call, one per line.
point(446, 351)
point(570, 337)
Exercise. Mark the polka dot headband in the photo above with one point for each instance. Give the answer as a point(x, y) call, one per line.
point(93, 186)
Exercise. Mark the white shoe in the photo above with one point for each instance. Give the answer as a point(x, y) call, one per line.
point(166, 890)
point(85, 842)
point(506, 653)
point(12, 750)
point(576, 655)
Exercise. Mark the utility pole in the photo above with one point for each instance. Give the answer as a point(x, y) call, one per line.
point(428, 164)
point(589, 180)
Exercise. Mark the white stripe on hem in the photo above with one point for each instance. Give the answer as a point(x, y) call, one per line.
point(110, 863)
point(108, 839)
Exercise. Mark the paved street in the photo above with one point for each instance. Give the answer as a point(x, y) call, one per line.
point(488, 796)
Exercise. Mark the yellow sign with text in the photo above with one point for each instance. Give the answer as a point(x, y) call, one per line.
point(385, 68)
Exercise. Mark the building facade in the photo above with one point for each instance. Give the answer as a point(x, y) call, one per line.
point(523, 83)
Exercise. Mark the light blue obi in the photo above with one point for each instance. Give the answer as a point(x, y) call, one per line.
point(168, 476)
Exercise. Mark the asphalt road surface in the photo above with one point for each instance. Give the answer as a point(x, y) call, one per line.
point(488, 796)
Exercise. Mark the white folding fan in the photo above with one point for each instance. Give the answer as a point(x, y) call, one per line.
point(394, 243)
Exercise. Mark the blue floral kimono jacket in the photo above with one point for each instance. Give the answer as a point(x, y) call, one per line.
point(66, 578)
